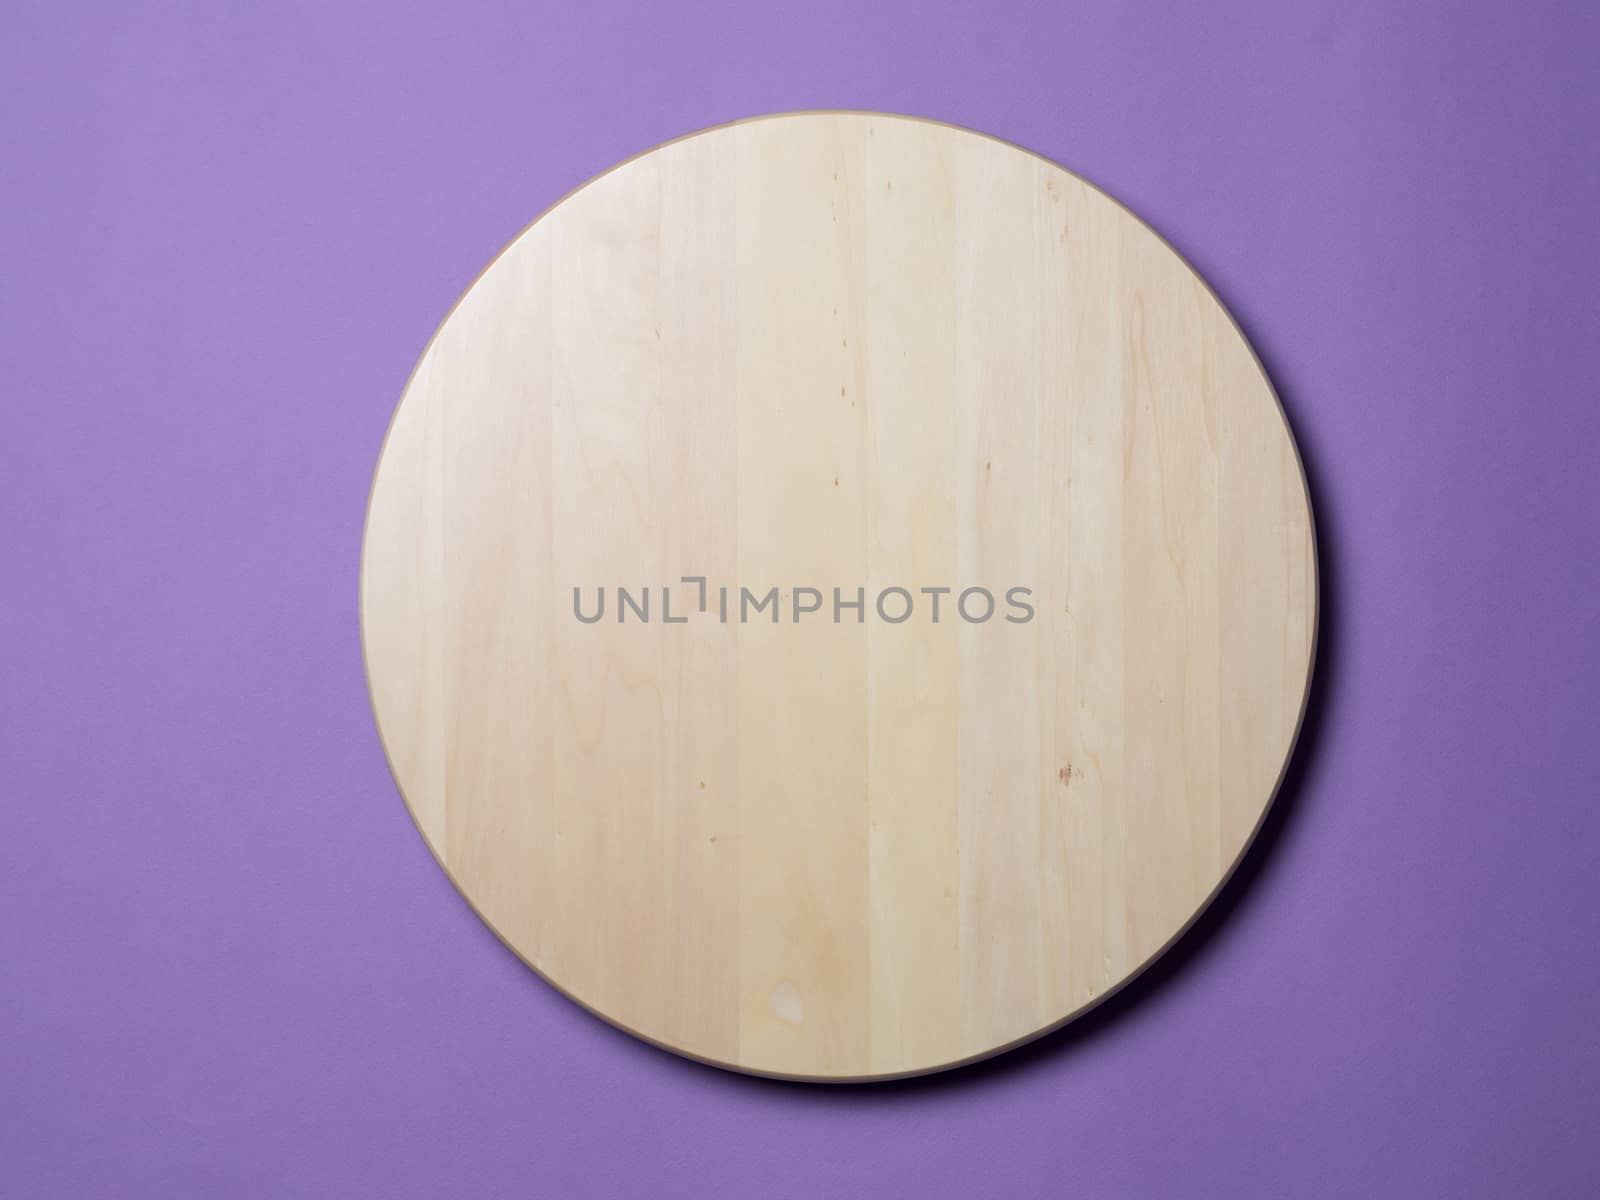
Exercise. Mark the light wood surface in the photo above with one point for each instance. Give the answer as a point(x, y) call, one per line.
point(838, 350)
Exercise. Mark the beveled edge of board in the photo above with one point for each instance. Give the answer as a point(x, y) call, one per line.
point(1200, 909)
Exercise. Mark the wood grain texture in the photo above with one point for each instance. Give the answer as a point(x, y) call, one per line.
point(858, 352)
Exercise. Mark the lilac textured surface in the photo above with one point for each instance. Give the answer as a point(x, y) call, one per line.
point(227, 964)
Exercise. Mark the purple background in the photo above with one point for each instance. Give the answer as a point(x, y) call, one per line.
point(228, 966)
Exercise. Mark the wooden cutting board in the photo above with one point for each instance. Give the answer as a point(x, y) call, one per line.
point(838, 595)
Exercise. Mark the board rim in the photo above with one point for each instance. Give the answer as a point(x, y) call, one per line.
point(1290, 748)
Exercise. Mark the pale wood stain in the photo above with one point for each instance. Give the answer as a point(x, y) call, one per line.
point(839, 350)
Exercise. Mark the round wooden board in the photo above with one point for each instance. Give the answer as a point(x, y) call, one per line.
point(788, 806)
